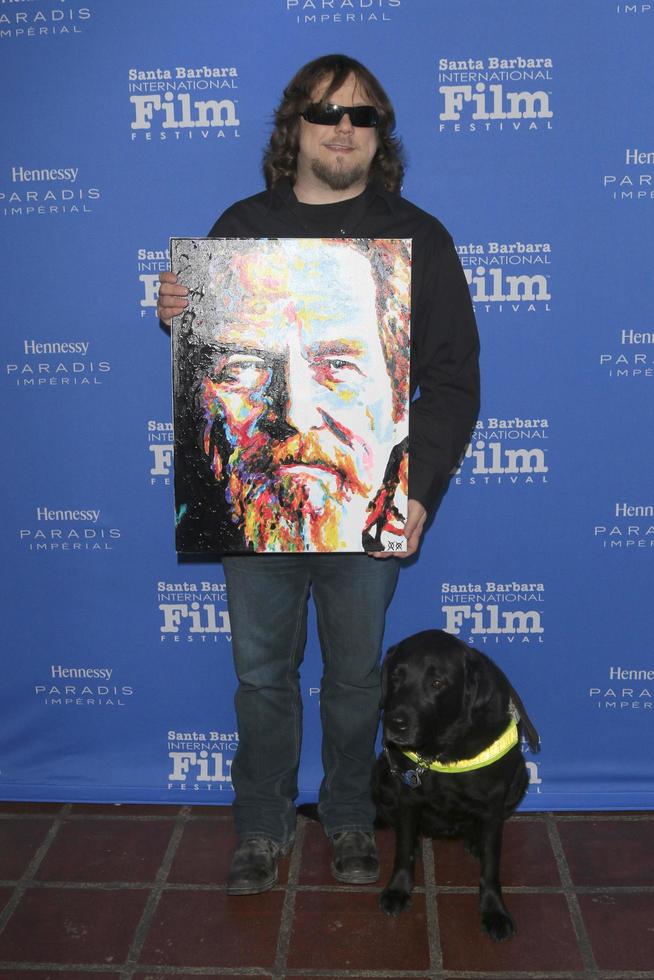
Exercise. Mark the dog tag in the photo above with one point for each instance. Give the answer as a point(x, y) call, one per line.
point(411, 778)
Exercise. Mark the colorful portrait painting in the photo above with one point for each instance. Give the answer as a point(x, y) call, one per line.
point(291, 394)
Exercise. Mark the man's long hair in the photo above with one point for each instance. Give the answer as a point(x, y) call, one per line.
point(280, 158)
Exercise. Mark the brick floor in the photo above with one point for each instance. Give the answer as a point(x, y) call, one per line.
point(138, 893)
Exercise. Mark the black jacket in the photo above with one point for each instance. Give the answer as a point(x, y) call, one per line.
point(444, 341)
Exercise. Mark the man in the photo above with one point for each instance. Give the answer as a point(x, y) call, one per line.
point(296, 395)
point(333, 168)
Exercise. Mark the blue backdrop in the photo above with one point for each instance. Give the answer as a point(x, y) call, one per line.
point(528, 131)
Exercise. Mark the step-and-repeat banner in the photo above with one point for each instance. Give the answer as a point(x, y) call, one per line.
point(528, 130)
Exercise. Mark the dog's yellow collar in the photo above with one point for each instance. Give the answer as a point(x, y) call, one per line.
point(494, 752)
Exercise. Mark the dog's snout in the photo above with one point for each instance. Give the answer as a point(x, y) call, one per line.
point(398, 721)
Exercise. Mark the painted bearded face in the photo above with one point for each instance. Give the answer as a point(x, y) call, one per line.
point(298, 402)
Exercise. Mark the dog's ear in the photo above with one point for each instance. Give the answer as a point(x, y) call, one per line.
point(384, 674)
point(479, 688)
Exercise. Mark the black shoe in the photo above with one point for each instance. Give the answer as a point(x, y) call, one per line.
point(254, 866)
point(354, 857)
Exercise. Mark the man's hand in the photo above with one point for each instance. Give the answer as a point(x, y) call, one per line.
point(172, 298)
point(415, 522)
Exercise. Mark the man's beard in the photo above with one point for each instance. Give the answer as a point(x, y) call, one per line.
point(337, 179)
point(281, 501)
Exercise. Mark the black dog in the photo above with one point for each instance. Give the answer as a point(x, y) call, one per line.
point(445, 703)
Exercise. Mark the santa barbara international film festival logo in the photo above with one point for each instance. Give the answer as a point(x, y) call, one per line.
point(632, 177)
point(150, 262)
point(56, 364)
point(67, 686)
point(183, 103)
point(482, 95)
point(29, 192)
point(494, 612)
point(624, 689)
point(193, 612)
point(508, 277)
point(511, 452)
point(200, 761)
point(160, 452)
point(628, 526)
point(313, 13)
point(70, 530)
point(28, 19)
point(630, 357)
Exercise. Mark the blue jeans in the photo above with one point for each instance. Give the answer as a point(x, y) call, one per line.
point(268, 600)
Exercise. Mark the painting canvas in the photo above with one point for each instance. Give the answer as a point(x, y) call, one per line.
point(291, 394)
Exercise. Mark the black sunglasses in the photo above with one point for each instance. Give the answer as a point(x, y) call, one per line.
point(327, 114)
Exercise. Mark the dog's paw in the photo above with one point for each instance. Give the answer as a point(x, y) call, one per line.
point(393, 901)
point(498, 925)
